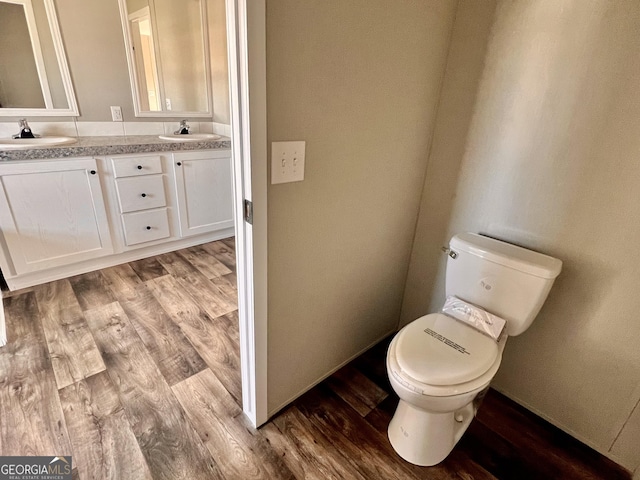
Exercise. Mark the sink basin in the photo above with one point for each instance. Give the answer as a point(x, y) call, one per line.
point(191, 137)
point(17, 143)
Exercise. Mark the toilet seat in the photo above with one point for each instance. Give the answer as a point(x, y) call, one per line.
point(439, 356)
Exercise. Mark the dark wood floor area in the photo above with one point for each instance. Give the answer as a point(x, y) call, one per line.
point(134, 371)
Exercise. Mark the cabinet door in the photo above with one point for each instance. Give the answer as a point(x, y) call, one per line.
point(52, 213)
point(204, 188)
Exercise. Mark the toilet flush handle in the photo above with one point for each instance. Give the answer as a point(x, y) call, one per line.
point(453, 254)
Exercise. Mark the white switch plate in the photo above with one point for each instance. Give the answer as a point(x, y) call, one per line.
point(116, 114)
point(287, 162)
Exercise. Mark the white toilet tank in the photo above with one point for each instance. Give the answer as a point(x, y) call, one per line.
point(506, 280)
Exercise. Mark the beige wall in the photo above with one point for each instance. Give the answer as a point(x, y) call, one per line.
point(359, 82)
point(465, 65)
point(550, 162)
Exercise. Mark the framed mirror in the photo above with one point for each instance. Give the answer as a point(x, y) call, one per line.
point(34, 75)
point(168, 57)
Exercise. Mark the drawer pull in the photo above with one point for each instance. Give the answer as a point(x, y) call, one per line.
point(92, 172)
point(148, 227)
point(179, 164)
point(143, 195)
point(139, 167)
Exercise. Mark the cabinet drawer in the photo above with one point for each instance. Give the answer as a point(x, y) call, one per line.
point(141, 193)
point(134, 166)
point(140, 227)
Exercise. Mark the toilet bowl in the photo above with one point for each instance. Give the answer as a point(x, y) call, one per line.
point(441, 366)
point(437, 366)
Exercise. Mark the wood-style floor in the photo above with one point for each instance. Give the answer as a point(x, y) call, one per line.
point(134, 371)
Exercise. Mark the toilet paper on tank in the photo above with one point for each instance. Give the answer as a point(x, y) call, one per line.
point(475, 317)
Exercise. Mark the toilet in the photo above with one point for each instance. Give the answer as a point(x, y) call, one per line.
point(441, 366)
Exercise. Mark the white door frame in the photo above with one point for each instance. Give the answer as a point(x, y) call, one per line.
point(247, 78)
point(3, 326)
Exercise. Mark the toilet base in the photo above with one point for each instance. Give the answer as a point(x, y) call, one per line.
point(424, 438)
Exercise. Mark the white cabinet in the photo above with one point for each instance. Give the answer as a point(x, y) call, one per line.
point(52, 213)
point(146, 226)
point(64, 217)
point(142, 198)
point(204, 188)
point(141, 193)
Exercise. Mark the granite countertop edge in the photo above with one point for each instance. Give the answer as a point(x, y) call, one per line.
point(101, 146)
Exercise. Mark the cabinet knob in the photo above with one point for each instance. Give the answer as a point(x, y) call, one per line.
point(143, 195)
point(92, 172)
point(139, 167)
point(148, 227)
point(179, 164)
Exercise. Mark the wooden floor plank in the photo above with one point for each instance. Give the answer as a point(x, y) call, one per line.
point(356, 389)
point(91, 290)
point(371, 365)
point(464, 467)
point(73, 351)
point(497, 456)
point(229, 323)
point(13, 293)
point(227, 284)
point(148, 268)
point(206, 263)
point(172, 352)
point(230, 242)
point(305, 450)
point(176, 265)
point(370, 452)
point(171, 447)
point(240, 451)
point(223, 253)
point(31, 418)
point(380, 416)
point(549, 450)
point(122, 279)
point(213, 300)
point(104, 446)
point(209, 336)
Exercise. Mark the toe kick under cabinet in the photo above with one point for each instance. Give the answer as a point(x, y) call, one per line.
point(63, 217)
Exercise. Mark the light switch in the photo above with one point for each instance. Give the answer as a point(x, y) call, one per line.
point(287, 162)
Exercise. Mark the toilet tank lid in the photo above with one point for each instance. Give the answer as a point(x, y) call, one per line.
point(506, 254)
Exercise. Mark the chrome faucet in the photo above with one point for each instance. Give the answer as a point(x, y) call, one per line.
point(183, 129)
point(25, 130)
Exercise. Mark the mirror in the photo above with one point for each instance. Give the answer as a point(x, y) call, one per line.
point(168, 57)
point(34, 75)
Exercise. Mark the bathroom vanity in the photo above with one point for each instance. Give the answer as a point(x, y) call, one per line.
point(104, 201)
